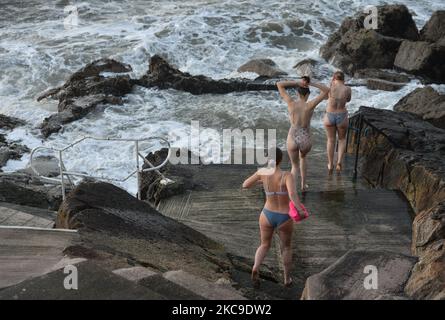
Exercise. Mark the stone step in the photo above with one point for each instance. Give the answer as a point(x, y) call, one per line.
point(201, 287)
point(22, 216)
point(157, 283)
point(94, 283)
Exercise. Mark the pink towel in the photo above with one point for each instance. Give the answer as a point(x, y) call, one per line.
point(295, 215)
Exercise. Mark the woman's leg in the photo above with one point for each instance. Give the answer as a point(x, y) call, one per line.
point(342, 131)
point(306, 146)
point(285, 233)
point(293, 151)
point(266, 231)
point(330, 134)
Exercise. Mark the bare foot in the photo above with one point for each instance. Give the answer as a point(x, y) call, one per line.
point(330, 169)
point(255, 279)
point(338, 167)
point(288, 283)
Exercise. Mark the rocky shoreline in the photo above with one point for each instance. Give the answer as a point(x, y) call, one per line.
point(401, 151)
point(122, 237)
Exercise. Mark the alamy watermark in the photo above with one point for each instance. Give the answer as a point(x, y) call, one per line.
point(71, 281)
point(371, 281)
point(234, 146)
point(371, 20)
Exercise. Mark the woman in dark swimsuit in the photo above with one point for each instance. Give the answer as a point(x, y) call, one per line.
point(279, 187)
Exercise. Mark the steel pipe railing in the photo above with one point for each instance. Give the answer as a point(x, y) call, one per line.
point(68, 174)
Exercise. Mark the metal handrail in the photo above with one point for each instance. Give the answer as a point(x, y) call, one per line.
point(358, 134)
point(63, 172)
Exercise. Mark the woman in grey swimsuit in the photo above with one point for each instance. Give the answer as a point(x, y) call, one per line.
point(279, 187)
point(300, 115)
point(336, 119)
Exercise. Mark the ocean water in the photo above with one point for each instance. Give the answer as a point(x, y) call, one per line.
point(40, 48)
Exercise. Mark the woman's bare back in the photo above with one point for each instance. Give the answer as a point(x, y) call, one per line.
point(339, 95)
point(300, 114)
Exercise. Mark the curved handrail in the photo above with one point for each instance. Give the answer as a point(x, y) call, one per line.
point(63, 172)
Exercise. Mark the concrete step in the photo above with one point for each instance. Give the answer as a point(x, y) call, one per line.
point(157, 283)
point(94, 283)
point(201, 287)
point(27, 252)
point(21, 216)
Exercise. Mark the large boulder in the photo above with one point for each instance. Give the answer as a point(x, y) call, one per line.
point(428, 227)
point(353, 47)
point(97, 83)
point(305, 67)
point(423, 59)
point(10, 122)
point(426, 103)
point(378, 84)
point(364, 49)
point(110, 219)
point(25, 189)
point(10, 150)
point(387, 75)
point(262, 67)
point(427, 280)
point(164, 76)
point(402, 151)
point(345, 279)
point(434, 29)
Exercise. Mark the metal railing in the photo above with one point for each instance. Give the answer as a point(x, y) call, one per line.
point(63, 172)
point(357, 128)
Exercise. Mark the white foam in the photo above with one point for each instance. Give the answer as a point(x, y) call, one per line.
point(212, 38)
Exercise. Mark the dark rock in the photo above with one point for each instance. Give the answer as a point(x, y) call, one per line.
point(402, 151)
point(422, 59)
point(262, 67)
point(382, 75)
point(10, 150)
point(110, 219)
point(353, 47)
point(163, 76)
point(390, 20)
point(344, 280)
point(364, 49)
point(10, 122)
point(427, 280)
point(95, 283)
point(74, 109)
point(305, 67)
point(86, 89)
point(24, 189)
point(428, 227)
point(378, 84)
point(182, 178)
point(426, 103)
point(434, 29)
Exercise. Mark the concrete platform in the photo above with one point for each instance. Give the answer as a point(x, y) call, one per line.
point(345, 214)
point(27, 252)
point(94, 283)
point(23, 216)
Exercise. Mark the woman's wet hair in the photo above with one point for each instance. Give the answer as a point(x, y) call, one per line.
point(338, 75)
point(278, 155)
point(302, 91)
